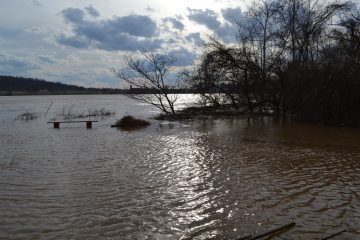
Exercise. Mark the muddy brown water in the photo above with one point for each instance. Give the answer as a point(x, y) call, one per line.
point(201, 179)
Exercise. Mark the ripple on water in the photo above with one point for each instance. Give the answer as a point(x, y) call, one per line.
point(196, 180)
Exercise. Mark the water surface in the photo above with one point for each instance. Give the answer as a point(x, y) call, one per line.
point(201, 179)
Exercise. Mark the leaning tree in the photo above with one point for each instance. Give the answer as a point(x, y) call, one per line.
point(150, 73)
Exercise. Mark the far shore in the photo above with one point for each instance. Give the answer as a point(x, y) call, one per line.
point(39, 93)
point(86, 92)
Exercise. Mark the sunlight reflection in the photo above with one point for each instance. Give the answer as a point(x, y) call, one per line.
point(190, 182)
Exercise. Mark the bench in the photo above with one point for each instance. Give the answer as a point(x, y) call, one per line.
point(88, 123)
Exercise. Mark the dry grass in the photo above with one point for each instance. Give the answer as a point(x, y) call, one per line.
point(68, 113)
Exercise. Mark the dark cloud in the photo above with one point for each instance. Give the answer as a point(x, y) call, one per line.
point(130, 32)
point(73, 41)
point(136, 25)
point(172, 41)
point(36, 3)
point(13, 64)
point(175, 23)
point(128, 43)
point(98, 38)
point(205, 17)
point(13, 61)
point(227, 32)
point(73, 15)
point(232, 15)
point(14, 38)
point(183, 57)
point(92, 11)
point(195, 38)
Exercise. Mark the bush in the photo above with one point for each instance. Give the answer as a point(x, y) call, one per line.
point(129, 122)
point(27, 116)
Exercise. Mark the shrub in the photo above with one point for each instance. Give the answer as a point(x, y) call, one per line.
point(27, 116)
point(129, 122)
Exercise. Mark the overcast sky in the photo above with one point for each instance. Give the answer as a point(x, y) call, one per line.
point(78, 42)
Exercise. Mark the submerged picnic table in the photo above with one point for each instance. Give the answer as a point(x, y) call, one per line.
point(88, 123)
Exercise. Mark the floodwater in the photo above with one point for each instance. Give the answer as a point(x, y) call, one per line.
point(201, 179)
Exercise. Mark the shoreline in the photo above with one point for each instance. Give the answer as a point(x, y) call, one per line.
point(201, 113)
point(100, 92)
point(209, 112)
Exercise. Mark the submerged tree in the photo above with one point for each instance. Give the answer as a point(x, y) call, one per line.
point(296, 58)
point(150, 73)
point(227, 77)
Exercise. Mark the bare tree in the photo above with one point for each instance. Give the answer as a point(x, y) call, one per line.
point(227, 75)
point(278, 64)
point(304, 23)
point(150, 73)
point(262, 36)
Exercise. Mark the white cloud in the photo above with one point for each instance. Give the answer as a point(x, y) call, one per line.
point(79, 41)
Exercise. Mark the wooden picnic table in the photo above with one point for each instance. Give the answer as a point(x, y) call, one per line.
point(88, 123)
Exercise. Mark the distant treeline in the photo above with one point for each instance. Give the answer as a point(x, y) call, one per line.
point(157, 91)
point(297, 58)
point(10, 85)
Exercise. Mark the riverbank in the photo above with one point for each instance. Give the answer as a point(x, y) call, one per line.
point(207, 112)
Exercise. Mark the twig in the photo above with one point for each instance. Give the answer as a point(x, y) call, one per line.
point(49, 108)
point(335, 234)
point(245, 238)
point(276, 230)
